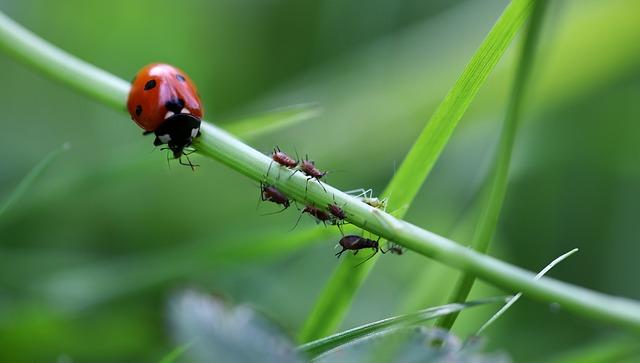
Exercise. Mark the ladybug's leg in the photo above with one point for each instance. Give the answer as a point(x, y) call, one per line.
point(157, 142)
point(188, 163)
point(147, 133)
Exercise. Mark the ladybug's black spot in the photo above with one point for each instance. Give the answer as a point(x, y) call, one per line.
point(150, 84)
point(180, 78)
point(138, 110)
point(175, 105)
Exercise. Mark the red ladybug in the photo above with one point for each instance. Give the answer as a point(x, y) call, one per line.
point(164, 100)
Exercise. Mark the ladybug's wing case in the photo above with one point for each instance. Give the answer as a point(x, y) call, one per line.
point(157, 86)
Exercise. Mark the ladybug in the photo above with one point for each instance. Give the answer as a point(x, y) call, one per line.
point(163, 100)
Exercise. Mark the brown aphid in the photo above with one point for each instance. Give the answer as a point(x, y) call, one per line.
point(280, 157)
point(337, 212)
point(308, 168)
point(317, 213)
point(356, 243)
point(270, 193)
point(283, 159)
point(394, 248)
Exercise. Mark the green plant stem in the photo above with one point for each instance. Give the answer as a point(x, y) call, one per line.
point(220, 145)
point(497, 183)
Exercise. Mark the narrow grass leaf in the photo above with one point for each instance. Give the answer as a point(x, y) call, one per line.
point(335, 300)
point(513, 300)
point(252, 126)
point(129, 274)
point(175, 354)
point(28, 180)
point(620, 349)
point(317, 347)
point(498, 180)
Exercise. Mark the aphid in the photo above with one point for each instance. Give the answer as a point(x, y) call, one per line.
point(283, 159)
point(272, 194)
point(337, 212)
point(163, 100)
point(339, 215)
point(308, 168)
point(317, 213)
point(394, 248)
point(356, 243)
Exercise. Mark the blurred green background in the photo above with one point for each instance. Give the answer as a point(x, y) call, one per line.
point(90, 255)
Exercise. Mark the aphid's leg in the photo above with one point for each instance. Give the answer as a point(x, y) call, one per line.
point(323, 188)
point(367, 259)
point(294, 173)
point(298, 221)
point(306, 186)
point(356, 252)
point(340, 253)
point(269, 169)
point(262, 198)
point(276, 212)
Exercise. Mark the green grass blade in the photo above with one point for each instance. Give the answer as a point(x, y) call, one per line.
point(622, 349)
point(519, 295)
point(130, 274)
point(175, 354)
point(252, 126)
point(322, 345)
point(28, 180)
point(338, 294)
point(497, 182)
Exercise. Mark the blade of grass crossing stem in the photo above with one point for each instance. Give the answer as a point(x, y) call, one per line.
point(497, 182)
point(269, 121)
point(336, 298)
point(322, 345)
point(28, 180)
point(519, 295)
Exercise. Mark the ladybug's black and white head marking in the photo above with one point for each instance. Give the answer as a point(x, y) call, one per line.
point(178, 131)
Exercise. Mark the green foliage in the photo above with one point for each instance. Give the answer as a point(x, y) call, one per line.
point(30, 178)
point(111, 213)
point(496, 184)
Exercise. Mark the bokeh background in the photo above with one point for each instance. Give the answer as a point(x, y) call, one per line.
point(90, 256)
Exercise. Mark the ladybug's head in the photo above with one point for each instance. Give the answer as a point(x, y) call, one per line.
point(178, 132)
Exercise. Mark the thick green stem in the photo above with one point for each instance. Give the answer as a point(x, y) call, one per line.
point(222, 146)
